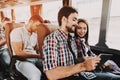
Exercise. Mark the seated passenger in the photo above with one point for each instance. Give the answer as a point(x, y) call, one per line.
point(23, 42)
point(4, 54)
point(83, 50)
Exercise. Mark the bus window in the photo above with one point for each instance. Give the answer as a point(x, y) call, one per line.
point(50, 10)
point(113, 37)
point(22, 14)
point(7, 13)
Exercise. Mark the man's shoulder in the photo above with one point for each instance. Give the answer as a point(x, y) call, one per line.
point(53, 35)
point(17, 29)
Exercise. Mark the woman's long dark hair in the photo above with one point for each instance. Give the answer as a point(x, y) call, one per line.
point(86, 35)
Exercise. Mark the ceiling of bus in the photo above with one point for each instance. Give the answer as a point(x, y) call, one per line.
point(13, 3)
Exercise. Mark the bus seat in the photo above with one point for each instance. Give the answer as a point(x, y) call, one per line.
point(116, 53)
point(42, 32)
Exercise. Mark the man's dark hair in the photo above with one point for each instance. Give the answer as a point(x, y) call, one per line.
point(65, 11)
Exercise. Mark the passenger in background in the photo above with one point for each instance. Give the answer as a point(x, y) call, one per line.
point(3, 45)
point(58, 60)
point(23, 42)
point(4, 54)
point(81, 39)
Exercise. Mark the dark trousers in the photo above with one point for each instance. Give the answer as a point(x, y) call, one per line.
point(106, 76)
point(100, 76)
point(2, 64)
point(3, 69)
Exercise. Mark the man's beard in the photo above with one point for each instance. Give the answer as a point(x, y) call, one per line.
point(71, 30)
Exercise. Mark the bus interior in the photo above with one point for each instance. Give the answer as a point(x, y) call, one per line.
point(103, 17)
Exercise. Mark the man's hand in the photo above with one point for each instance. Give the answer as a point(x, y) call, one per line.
point(90, 63)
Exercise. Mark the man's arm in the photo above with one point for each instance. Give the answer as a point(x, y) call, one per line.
point(61, 72)
point(18, 49)
point(17, 44)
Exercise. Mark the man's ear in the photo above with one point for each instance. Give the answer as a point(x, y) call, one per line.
point(31, 21)
point(64, 20)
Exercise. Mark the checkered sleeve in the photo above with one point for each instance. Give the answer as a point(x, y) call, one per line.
point(49, 53)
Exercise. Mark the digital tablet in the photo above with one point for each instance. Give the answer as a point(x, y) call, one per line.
point(104, 58)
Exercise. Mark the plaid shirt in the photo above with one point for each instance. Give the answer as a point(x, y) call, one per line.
point(2, 36)
point(2, 33)
point(56, 51)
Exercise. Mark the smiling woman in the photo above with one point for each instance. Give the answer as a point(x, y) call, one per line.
point(110, 17)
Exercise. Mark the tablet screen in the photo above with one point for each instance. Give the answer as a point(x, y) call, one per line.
point(104, 58)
